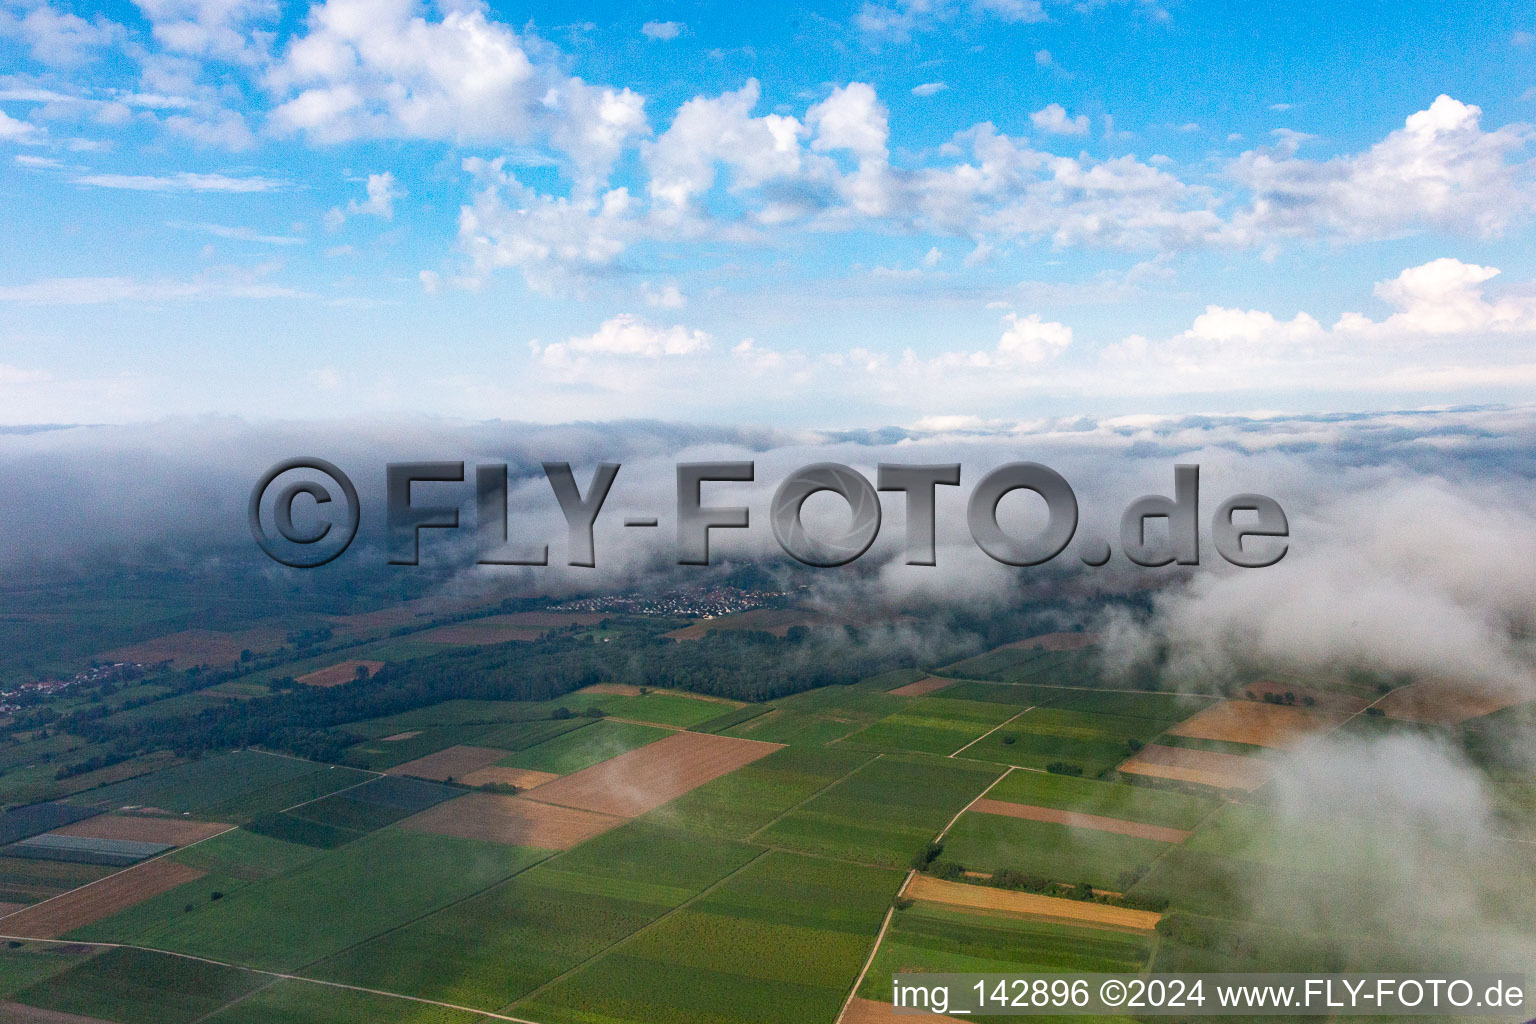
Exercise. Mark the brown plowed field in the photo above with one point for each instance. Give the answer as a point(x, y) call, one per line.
point(923, 686)
point(981, 897)
point(643, 779)
point(1446, 703)
point(197, 647)
point(511, 819)
point(397, 737)
point(17, 1013)
point(452, 763)
point(1206, 767)
point(522, 778)
point(1075, 819)
point(1263, 725)
point(173, 831)
point(335, 675)
point(1057, 641)
point(80, 907)
point(867, 1011)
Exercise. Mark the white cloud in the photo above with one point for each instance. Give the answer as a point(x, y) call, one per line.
point(929, 88)
point(897, 21)
point(1030, 339)
point(244, 234)
point(607, 357)
point(382, 194)
point(1445, 334)
point(1053, 118)
point(81, 291)
point(666, 297)
point(183, 181)
point(12, 130)
point(58, 38)
point(1044, 58)
point(555, 241)
point(662, 30)
point(1439, 170)
point(721, 129)
point(378, 70)
point(240, 31)
point(41, 163)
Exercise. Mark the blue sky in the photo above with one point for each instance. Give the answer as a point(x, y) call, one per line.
point(849, 214)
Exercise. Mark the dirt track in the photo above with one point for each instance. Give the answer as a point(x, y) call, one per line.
point(637, 781)
point(980, 897)
point(52, 918)
point(511, 819)
point(1075, 819)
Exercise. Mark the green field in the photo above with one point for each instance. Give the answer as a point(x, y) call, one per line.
point(1109, 799)
point(1058, 853)
point(931, 938)
point(26, 963)
point(817, 717)
point(137, 987)
point(738, 804)
point(780, 941)
point(934, 725)
point(885, 811)
point(341, 898)
point(24, 880)
point(300, 1002)
point(230, 782)
point(1163, 707)
point(1046, 735)
point(573, 751)
point(661, 708)
point(504, 943)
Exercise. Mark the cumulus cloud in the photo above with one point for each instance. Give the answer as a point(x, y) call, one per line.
point(1053, 118)
point(240, 31)
point(662, 30)
point(56, 37)
point(598, 359)
point(1440, 170)
point(380, 70)
point(381, 192)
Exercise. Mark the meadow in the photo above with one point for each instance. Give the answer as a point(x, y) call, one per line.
point(505, 942)
point(933, 725)
point(315, 910)
point(883, 812)
point(776, 942)
point(1058, 853)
